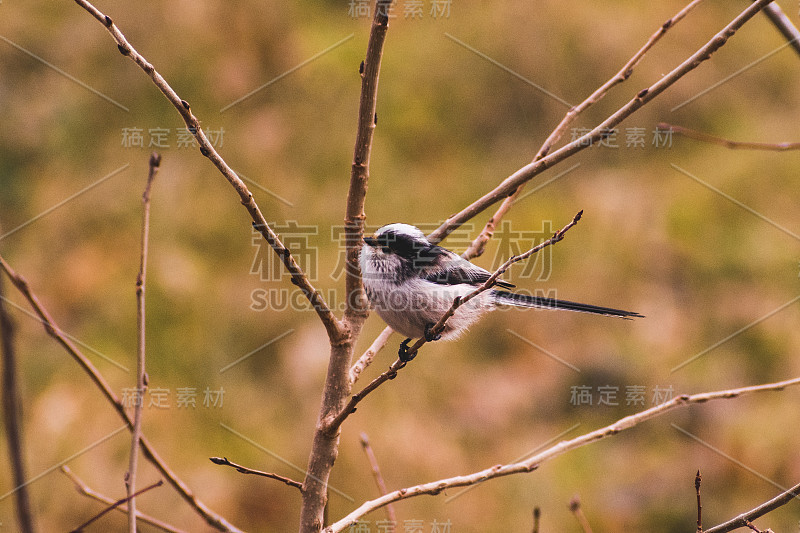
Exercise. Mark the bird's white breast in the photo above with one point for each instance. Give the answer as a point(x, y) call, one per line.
point(407, 306)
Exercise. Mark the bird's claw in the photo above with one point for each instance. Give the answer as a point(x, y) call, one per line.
point(403, 354)
point(430, 337)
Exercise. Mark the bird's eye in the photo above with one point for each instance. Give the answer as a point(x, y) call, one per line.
point(384, 241)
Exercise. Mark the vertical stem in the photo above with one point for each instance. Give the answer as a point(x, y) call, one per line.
point(11, 414)
point(141, 382)
point(325, 446)
point(697, 480)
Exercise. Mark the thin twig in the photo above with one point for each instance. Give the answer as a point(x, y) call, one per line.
point(366, 358)
point(742, 145)
point(224, 461)
point(399, 364)
point(54, 331)
point(602, 130)
point(333, 327)
point(761, 510)
point(376, 473)
point(784, 24)
point(115, 505)
point(12, 411)
point(575, 509)
point(477, 247)
point(86, 490)
point(537, 513)
point(141, 384)
point(699, 506)
point(534, 462)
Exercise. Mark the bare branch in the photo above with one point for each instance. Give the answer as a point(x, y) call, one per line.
point(577, 511)
point(12, 410)
point(114, 505)
point(705, 137)
point(299, 278)
point(754, 528)
point(784, 24)
point(350, 408)
point(376, 473)
point(528, 172)
point(224, 461)
point(366, 358)
point(697, 480)
point(141, 278)
point(477, 247)
point(324, 447)
point(357, 306)
point(54, 331)
point(86, 490)
point(535, 461)
point(743, 519)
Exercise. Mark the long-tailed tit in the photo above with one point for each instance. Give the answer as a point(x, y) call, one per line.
point(411, 284)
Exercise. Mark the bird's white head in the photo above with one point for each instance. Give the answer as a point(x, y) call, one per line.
point(403, 240)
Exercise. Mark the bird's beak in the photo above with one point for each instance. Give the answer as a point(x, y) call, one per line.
point(369, 241)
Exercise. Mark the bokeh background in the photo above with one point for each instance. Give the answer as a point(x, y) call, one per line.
point(451, 125)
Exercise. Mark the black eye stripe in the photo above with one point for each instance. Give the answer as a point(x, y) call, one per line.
point(400, 244)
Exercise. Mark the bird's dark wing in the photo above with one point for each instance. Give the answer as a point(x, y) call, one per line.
point(443, 267)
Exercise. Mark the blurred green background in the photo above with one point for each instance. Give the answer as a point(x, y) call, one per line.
point(451, 125)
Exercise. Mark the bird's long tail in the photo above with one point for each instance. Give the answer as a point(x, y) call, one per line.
point(522, 300)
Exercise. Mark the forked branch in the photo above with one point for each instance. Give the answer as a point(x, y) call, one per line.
point(534, 462)
point(324, 447)
point(743, 519)
point(299, 278)
point(601, 131)
point(89, 492)
point(477, 247)
point(54, 331)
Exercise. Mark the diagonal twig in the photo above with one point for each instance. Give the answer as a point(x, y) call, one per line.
point(224, 461)
point(534, 462)
point(379, 481)
point(86, 490)
point(477, 247)
point(727, 143)
point(114, 505)
point(784, 25)
point(332, 326)
point(577, 510)
point(366, 358)
point(602, 130)
point(766, 507)
point(54, 331)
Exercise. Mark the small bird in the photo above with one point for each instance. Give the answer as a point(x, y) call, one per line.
point(411, 284)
